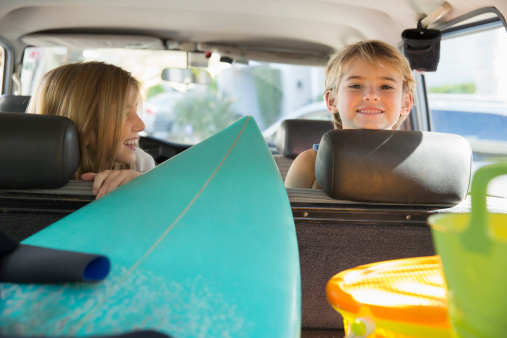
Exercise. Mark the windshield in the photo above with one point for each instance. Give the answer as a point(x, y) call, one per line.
point(188, 113)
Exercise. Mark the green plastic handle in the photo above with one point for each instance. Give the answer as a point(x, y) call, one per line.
point(475, 236)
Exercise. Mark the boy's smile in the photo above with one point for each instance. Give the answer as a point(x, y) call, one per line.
point(369, 97)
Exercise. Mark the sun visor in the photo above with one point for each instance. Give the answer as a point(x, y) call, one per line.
point(93, 41)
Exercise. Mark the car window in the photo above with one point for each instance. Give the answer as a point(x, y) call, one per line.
point(467, 93)
point(2, 65)
point(188, 113)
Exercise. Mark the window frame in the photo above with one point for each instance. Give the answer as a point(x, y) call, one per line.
point(8, 66)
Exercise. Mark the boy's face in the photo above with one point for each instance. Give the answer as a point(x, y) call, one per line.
point(369, 98)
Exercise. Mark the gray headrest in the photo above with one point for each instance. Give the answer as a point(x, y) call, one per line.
point(13, 103)
point(37, 151)
point(295, 136)
point(387, 166)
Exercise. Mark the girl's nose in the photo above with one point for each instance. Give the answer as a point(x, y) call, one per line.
point(138, 124)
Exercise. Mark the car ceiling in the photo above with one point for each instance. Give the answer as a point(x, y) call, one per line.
point(308, 28)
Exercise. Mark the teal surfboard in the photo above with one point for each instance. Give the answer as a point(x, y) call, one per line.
point(204, 245)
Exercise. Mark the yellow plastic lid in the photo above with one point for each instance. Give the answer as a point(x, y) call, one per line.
point(411, 291)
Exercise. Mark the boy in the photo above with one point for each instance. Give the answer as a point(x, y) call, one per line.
point(369, 85)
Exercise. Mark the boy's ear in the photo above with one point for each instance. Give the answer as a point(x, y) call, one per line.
point(408, 102)
point(330, 102)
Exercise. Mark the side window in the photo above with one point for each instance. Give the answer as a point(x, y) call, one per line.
point(467, 95)
point(2, 66)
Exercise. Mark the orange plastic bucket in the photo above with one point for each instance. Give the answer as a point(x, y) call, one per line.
point(399, 298)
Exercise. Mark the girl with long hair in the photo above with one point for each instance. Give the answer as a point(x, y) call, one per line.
point(102, 100)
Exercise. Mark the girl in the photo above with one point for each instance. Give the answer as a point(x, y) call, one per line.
point(369, 85)
point(102, 101)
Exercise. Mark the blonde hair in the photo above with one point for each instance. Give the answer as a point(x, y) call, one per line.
point(375, 53)
point(94, 96)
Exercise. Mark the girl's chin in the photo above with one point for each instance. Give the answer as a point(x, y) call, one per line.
point(125, 159)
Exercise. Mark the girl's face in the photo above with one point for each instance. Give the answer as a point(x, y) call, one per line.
point(369, 97)
point(129, 141)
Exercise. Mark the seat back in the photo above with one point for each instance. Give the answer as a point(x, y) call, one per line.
point(295, 136)
point(37, 151)
point(13, 103)
point(384, 184)
point(389, 166)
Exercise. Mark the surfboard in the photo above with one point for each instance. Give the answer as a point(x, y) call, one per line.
point(203, 245)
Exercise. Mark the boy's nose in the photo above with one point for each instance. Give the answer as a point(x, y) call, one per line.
point(370, 95)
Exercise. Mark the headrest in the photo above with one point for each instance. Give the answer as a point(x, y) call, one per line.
point(389, 166)
point(295, 136)
point(13, 103)
point(37, 151)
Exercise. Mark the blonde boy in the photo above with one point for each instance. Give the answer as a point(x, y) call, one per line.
point(369, 85)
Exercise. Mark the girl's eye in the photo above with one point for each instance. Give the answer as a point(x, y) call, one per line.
point(129, 110)
point(355, 86)
point(385, 87)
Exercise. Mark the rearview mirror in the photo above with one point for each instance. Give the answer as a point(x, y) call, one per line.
point(186, 75)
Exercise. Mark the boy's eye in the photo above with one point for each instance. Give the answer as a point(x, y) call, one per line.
point(384, 87)
point(355, 86)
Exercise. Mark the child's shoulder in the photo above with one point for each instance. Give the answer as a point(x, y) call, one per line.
point(307, 155)
point(301, 173)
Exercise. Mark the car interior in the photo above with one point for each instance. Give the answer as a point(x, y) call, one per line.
point(377, 193)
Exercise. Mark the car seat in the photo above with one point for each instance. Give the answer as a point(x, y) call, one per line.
point(13, 103)
point(379, 187)
point(295, 136)
point(37, 151)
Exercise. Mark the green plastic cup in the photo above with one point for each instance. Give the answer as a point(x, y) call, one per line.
point(473, 250)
